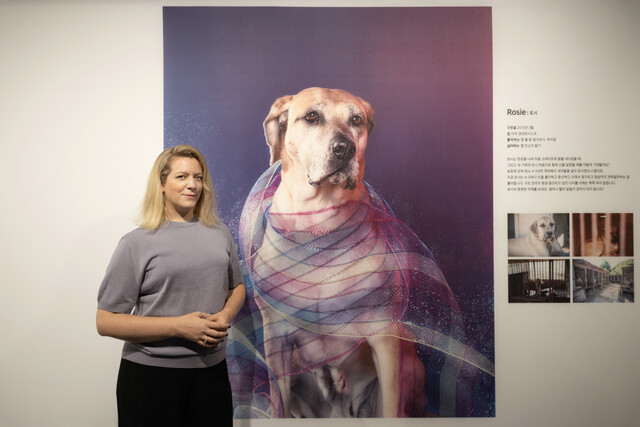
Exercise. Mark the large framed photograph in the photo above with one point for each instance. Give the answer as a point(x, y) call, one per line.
point(351, 155)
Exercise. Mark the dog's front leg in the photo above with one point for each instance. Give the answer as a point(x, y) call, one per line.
point(386, 356)
point(276, 352)
point(284, 383)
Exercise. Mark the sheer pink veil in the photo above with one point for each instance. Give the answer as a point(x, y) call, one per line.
point(351, 271)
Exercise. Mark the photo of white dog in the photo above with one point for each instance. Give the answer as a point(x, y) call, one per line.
point(538, 235)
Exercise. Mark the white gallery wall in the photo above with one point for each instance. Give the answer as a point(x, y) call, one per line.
point(81, 123)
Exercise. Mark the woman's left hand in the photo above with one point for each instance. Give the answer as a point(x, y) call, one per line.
point(217, 325)
point(219, 321)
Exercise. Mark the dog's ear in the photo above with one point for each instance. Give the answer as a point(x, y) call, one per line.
point(370, 112)
point(275, 126)
point(534, 227)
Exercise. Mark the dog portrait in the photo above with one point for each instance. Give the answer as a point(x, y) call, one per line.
point(538, 235)
point(345, 163)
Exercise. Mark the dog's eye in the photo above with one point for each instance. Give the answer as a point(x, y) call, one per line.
point(311, 116)
point(356, 120)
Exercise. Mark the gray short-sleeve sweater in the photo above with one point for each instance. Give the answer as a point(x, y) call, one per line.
point(180, 268)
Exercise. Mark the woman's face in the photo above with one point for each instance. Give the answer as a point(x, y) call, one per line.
point(182, 188)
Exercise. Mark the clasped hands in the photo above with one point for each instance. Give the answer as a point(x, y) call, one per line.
point(207, 330)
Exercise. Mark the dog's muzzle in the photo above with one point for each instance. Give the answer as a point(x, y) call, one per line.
point(340, 168)
point(343, 148)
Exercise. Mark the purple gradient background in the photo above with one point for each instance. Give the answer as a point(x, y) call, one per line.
point(426, 71)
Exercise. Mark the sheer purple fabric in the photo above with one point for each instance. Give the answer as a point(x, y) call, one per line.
point(320, 283)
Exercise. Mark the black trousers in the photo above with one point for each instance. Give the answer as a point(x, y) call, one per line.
point(153, 396)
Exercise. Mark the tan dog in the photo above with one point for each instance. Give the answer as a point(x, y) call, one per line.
point(606, 244)
point(541, 241)
point(532, 285)
point(321, 137)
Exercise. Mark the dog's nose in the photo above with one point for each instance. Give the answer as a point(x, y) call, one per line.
point(343, 148)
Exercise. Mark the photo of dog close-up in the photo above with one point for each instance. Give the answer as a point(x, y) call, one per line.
point(347, 296)
point(538, 235)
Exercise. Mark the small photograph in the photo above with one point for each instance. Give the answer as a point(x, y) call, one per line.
point(602, 234)
point(603, 280)
point(539, 280)
point(538, 235)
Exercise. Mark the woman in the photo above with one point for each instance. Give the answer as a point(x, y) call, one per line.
point(170, 292)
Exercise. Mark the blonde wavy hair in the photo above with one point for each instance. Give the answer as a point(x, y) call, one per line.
point(152, 214)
